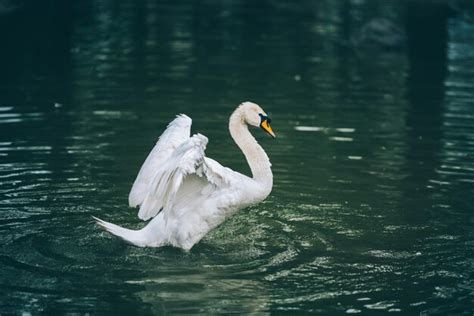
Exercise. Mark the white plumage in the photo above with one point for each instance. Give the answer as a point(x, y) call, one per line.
point(187, 194)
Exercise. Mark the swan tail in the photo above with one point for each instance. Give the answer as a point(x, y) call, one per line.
point(134, 237)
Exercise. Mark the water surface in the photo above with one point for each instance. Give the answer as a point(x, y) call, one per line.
point(371, 209)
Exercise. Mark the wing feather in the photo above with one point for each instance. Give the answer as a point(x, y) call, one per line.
point(216, 173)
point(177, 132)
point(185, 160)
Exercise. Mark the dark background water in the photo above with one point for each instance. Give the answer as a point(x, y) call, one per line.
point(372, 102)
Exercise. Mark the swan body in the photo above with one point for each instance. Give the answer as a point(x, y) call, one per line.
point(185, 193)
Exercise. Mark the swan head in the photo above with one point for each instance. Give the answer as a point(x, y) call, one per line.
point(254, 115)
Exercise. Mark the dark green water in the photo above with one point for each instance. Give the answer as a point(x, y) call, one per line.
point(372, 207)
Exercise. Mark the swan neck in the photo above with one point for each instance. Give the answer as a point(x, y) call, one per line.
point(256, 157)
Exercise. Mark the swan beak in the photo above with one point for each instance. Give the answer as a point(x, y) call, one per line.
point(265, 125)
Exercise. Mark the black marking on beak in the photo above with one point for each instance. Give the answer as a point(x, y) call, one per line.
point(264, 118)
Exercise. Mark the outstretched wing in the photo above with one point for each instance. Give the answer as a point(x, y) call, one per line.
point(177, 132)
point(185, 177)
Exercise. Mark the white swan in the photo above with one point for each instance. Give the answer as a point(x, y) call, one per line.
point(188, 194)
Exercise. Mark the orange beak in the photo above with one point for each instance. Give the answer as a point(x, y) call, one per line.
point(267, 128)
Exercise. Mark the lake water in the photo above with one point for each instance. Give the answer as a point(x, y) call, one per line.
point(372, 104)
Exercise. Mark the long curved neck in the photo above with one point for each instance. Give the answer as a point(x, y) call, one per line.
point(254, 153)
